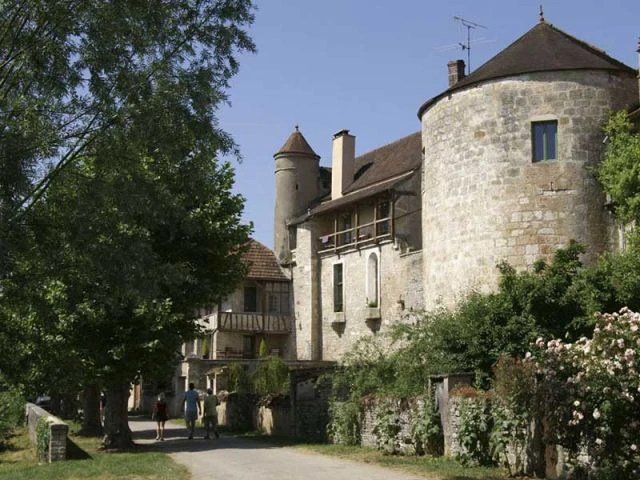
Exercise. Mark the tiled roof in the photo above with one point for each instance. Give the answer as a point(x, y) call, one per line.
point(387, 162)
point(377, 171)
point(543, 48)
point(296, 143)
point(262, 263)
point(361, 194)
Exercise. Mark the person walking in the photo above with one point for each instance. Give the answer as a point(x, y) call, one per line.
point(160, 416)
point(210, 416)
point(192, 409)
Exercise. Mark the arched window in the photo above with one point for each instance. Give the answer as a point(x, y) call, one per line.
point(372, 280)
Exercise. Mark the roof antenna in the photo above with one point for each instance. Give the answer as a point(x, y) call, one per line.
point(541, 14)
point(467, 46)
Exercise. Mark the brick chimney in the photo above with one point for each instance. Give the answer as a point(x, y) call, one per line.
point(342, 162)
point(456, 71)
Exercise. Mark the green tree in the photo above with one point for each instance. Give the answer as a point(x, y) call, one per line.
point(134, 225)
point(619, 172)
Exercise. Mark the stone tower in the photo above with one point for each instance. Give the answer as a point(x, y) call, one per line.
point(297, 185)
point(508, 152)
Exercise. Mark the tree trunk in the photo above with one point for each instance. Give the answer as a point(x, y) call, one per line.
point(91, 425)
point(116, 421)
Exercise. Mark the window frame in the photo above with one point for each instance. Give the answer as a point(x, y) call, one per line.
point(373, 279)
point(245, 304)
point(542, 153)
point(338, 288)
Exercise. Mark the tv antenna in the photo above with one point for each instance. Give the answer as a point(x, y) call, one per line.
point(467, 46)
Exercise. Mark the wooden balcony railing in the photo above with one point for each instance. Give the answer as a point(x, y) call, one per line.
point(355, 236)
point(254, 322)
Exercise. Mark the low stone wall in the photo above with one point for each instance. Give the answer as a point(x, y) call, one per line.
point(58, 431)
point(275, 417)
point(311, 410)
point(236, 411)
point(403, 442)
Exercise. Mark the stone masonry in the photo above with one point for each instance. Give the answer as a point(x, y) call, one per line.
point(58, 431)
point(484, 199)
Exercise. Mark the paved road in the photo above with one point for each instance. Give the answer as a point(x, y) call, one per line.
point(230, 458)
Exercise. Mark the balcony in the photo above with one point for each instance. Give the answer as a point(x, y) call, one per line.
point(237, 322)
point(361, 235)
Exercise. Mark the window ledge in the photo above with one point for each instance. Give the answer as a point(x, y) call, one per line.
point(338, 317)
point(372, 313)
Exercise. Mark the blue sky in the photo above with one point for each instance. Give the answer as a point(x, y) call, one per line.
point(368, 65)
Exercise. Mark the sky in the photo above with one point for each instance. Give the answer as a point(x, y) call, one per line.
point(368, 65)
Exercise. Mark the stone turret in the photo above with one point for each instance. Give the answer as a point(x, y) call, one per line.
point(509, 151)
point(297, 177)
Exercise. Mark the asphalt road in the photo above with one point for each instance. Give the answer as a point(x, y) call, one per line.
point(230, 458)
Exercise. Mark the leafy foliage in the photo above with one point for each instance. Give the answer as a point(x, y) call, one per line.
point(619, 172)
point(474, 430)
point(514, 405)
point(345, 422)
point(11, 413)
point(591, 392)
point(263, 350)
point(239, 380)
point(126, 215)
point(271, 376)
point(42, 439)
point(386, 425)
point(426, 428)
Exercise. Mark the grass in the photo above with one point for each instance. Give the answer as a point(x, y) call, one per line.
point(86, 459)
point(432, 467)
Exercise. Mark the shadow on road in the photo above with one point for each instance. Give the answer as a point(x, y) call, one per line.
point(144, 434)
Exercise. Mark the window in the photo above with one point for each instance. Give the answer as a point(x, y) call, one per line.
point(278, 298)
point(345, 226)
point(382, 215)
point(372, 281)
point(544, 138)
point(250, 299)
point(338, 293)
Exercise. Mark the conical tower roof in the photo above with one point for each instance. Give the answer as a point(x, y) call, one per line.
point(296, 143)
point(543, 48)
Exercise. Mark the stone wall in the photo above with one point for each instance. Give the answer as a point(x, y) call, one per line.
point(400, 284)
point(275, 417)
point(403, 441)
point(305, 294)
point(311, 414)
point(236, 411)
point(58, 431)
point(484, 199)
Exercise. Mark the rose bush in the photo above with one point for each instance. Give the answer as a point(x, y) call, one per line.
point(591, 389)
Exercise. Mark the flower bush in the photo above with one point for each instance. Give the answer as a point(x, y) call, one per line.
point(592, 391)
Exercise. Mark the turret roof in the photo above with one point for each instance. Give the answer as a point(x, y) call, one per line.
point(543, 48)
point(296, 143)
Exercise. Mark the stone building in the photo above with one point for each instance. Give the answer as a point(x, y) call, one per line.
point(500, 170)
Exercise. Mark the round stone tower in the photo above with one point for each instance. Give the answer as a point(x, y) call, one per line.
point(508, 153)
point(297, 185)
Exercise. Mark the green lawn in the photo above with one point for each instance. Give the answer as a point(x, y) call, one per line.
point(87, 460)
